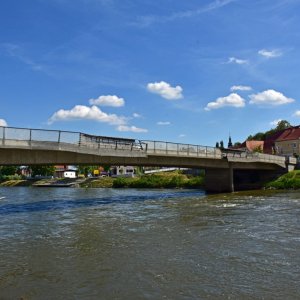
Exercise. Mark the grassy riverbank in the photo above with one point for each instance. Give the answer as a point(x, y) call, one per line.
point(287, 181)
point(161, 180)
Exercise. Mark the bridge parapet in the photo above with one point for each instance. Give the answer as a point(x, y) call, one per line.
point(177, 149)
point(13, 137)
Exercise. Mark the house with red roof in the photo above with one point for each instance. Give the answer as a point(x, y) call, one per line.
point(285, 142)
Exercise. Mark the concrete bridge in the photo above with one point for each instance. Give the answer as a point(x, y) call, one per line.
point(226, 171)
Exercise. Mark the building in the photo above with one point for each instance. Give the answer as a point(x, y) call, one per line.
point(288, 142)
point(63, 171)
point(285, 142)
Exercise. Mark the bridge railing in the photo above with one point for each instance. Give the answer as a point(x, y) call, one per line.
point(177, 149)
point(13, 136)
point(254, 156)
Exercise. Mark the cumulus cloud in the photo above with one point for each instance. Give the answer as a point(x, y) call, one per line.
point(270, 53)
point(109, 100)
point(136, 115)
point(233, 100)
point(275, 122)
point(163, 123)
point(234, 60)
point(165, 90)
point(270, 97)
point(81, 112)
point(240, 88)
point(297, 113)
point(3, 123)
point(130, 128)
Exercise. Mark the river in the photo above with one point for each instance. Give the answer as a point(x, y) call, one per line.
point(68, 243)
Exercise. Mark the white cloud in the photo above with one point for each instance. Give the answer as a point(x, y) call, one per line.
point(3, 123)
point(163, 123)
point(297, 113)
point(165, 90)
point(136, 115)
point(234, 60)
point(275, 122)
point(182, 135)
point(131, 128)
point(270, 53)
point(109, 100)
point(270, 97)
point(240, 88)
point(81, 112)
point(233, 100)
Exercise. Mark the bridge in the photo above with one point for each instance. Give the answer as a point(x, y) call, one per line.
point(226, 171)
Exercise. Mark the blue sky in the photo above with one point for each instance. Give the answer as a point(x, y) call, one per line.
point(182, 71)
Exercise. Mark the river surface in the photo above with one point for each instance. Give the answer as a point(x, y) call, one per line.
point(65, 243)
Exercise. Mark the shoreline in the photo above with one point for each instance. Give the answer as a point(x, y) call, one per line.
point(173, 180)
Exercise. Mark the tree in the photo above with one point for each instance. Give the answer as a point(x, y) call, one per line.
point(8, 170)
point(283, 124)
point(217, 145)
point(222, 145)
point(237, 144)
point(38, 170)
point(258, 149)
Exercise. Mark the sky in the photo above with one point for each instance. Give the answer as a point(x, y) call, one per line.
point(180, 71)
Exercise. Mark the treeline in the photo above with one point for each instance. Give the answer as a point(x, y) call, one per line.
point(158, 181)
point(262, 136)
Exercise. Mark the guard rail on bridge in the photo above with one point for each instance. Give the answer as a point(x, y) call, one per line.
point(13, 137)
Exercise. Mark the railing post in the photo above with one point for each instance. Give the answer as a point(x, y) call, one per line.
point(166, 148)
point(59, 132)
point(79, 142)
point(116, 145)
point(188, 150)
point(177, 149)
point(3, 140)
point(30, 136)
point(154, 146)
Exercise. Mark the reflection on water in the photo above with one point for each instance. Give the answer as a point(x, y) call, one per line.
point(141, 244)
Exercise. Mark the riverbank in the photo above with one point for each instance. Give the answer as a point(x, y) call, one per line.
point(288, 181)
point(161, 180)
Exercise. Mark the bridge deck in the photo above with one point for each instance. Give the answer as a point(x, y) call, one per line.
point(76, 142)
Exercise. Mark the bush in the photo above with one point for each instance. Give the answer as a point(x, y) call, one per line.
point(290, 180)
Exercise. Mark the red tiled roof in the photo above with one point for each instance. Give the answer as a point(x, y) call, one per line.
point(292, 133)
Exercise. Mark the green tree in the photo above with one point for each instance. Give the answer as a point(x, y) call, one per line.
point(8, 170)
point(38, 170)
point(283, 124)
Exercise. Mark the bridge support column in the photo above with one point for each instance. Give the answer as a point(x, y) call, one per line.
point(219, 180)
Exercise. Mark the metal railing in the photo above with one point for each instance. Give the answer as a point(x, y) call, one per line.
point(253, 156)
point(14, 136)
point(177, 149)
point(18, 137)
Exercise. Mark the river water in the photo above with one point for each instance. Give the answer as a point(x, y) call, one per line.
point(67, 243)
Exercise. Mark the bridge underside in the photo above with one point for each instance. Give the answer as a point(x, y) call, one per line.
point(221, 175)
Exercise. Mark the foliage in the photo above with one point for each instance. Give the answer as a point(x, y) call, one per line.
point(262, 136)
point(258, 149)
point(290, 180)
point(222, 145)
point(159, 181)
point(8, 170)
point(42, 170)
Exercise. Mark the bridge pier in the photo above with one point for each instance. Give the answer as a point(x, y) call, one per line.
point(231, 180)
point(219, 180)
